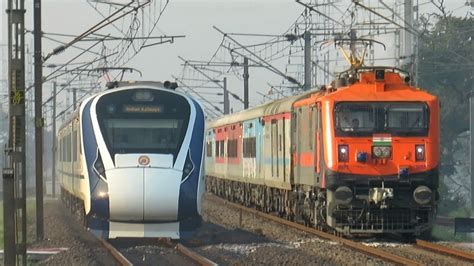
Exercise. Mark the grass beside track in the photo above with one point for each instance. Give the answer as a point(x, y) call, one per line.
point(444, 233)
point(30, 216)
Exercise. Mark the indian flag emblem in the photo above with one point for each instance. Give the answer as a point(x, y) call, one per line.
point(382, 140)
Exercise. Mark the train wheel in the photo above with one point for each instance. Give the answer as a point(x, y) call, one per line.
point(427, 235)
point(408, 238)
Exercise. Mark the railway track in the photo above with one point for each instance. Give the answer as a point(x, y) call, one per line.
point(199, 259)
point(371, 251)
point(119, 257)
point(128, 252)
point(440, 249)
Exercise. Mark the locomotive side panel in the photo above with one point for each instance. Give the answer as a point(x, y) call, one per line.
point(307, 145)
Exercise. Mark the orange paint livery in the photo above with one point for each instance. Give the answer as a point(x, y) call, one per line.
point(393, 89)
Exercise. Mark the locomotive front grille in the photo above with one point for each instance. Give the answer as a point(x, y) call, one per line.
point(380, 220)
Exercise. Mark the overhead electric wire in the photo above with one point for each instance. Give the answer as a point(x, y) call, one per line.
point(319, 13)
point(207, 76)
point(73, 46)
point(96, 28)
point(412, 31)
point(263, 62)
point(202, 98)
point(103, 16)
point(48, 77)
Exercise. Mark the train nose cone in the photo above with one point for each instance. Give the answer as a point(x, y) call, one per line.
point(144, 194)
point(422, 195)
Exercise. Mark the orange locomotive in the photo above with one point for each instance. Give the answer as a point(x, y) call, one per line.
point(358, 157)
point(377, 162)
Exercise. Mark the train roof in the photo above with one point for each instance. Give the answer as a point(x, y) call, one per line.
point(266, 109)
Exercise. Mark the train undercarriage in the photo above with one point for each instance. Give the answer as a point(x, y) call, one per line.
point(75, 206)
point(319, 208)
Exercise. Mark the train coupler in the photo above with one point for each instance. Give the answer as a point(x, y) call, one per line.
point(380, 195)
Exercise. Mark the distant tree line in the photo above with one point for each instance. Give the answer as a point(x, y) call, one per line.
point(446, 69)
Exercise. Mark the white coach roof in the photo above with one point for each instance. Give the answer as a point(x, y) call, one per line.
point(270, 108)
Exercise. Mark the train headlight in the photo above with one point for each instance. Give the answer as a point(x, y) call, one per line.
point(420, 152)
point(102, 194)
point(386, 151)
point(99, 166)
point(188, 167)
point(422, 195)
point(143, 96)
point(343, 153)
point(343, 195)
point(377, 151)
point(381, 151)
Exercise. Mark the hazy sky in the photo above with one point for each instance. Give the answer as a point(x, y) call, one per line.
point(193, 18)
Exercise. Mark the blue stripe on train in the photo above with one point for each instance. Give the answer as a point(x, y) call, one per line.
point(187, 212)
point(97, 218)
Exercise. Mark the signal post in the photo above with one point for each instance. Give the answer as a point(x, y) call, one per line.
point(14, 173)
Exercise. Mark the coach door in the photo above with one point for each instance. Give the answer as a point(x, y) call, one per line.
point(281, 149)
point(277, 148)
point(274, 148)
point(317, 148)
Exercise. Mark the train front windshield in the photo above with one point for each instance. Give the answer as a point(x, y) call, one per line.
point(152, 122)
point(354, 119)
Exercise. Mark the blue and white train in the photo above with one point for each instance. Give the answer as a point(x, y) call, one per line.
point(130, 162)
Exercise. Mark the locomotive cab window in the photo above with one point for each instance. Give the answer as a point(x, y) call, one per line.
point(355, 119)
point(362, 119)
point(407, 119)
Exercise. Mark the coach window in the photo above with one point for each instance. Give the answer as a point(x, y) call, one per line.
point(253, 147)
point(79, 141)
point(74, 146)
point(221, 149)
point(249, 147)
point(60, 149)
point(68, 148)
point(232, 148)
point(63, 149)
point(217, 149)
point(293, 121)
point(209, 149)
point(63, 145)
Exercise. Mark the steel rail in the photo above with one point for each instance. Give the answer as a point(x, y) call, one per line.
point(371, 251)
point(189, 253)
point(194, 256)
point(119, 258)
point(445, 250)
